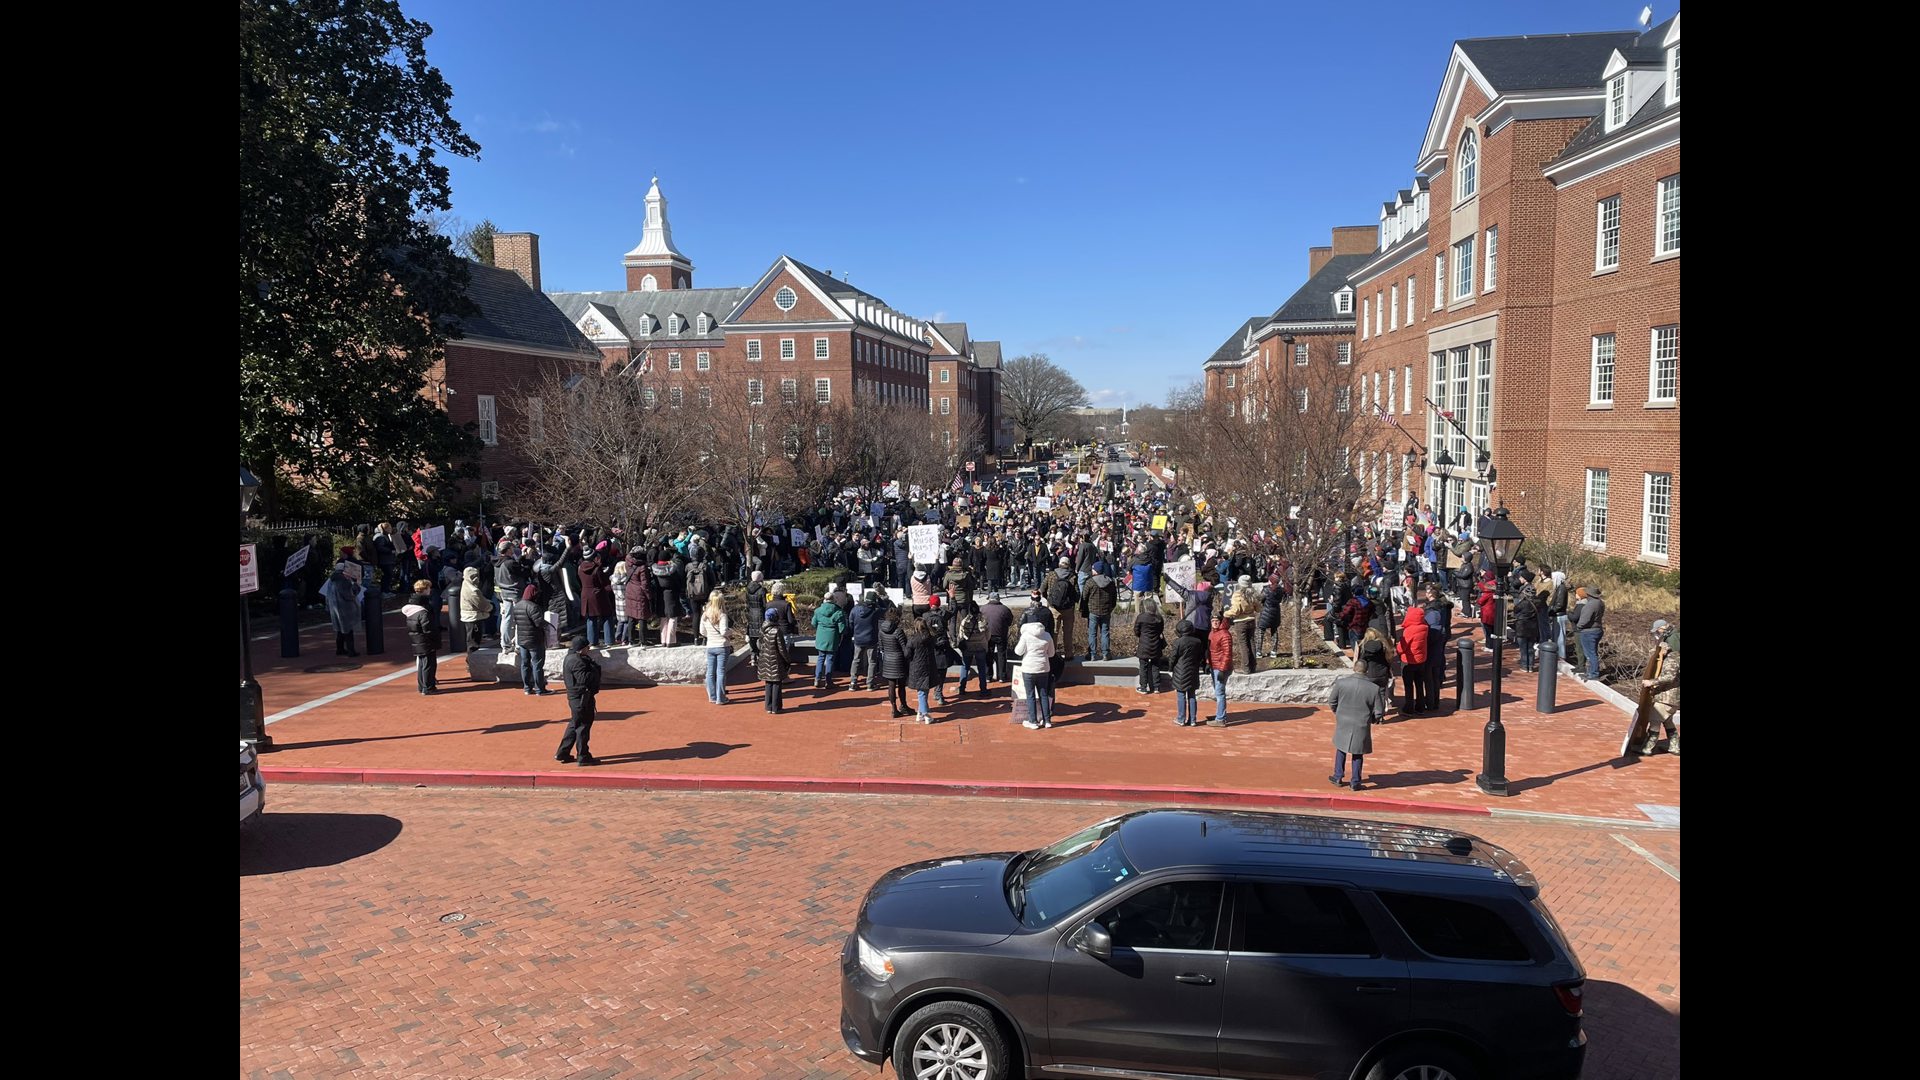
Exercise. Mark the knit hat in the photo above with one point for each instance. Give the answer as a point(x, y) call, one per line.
point(1064, 561)
point(529, 593)
point(578, 644)
point(772, 613)
point(1659, 626)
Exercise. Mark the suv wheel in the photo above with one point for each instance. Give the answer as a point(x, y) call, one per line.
point(950, 1040)
point(1422, 1062)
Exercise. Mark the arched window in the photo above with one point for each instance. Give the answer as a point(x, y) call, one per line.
point(1466, 181)
point(647, 284)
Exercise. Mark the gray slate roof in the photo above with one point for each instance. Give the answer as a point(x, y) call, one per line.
point(1656, 107)
point(954, 332)
point(1314, 300)
point(632, 307)
point(986, 354)
point(1545, 61)
point(513, 313)
point(833, 286)
point(1235, 347)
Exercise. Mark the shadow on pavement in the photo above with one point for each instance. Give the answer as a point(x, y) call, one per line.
point(521, 725)
point(1095, 712)
point(1532, 782)
point(1416, 777)
point(679, 753)
point(1263, 716)
point(1629, 1034)
point(278, 843)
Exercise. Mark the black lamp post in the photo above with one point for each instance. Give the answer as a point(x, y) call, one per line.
point(1500, 541)
point(253, 714)
point(1443, 461)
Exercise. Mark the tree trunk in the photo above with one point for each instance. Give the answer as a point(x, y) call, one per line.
point(1300, 617)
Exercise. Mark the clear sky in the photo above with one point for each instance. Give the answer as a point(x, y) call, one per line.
point(1116, 184)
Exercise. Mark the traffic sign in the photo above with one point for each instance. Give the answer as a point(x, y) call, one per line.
point(249, 570)
point(969, 466)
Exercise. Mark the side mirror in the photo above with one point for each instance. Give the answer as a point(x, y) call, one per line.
point(1094, 940)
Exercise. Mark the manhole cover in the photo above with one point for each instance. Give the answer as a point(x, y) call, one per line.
point(326, 669)
point(454, 916)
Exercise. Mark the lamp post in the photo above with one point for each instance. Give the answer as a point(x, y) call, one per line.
point(253, 723)
point(1500, 541)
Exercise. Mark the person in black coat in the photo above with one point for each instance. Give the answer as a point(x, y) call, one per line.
point(529, 636)
point(998, 618)
point(893, 660)
point(581, 676)
point(1523, 615)
point(863, 625)
point(920, 664)
point(1188, 657)
point(1149, 633)
point(423, 632)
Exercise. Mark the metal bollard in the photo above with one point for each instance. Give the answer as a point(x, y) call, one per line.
point(374, 611)
point(1464, 700)
point(456, 630)
point(289, 620)
point(1543, 698)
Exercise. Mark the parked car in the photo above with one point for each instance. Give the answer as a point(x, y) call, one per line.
point(1175, 943)
point(253, 790)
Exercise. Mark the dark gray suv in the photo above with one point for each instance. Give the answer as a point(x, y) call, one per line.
point(1188, 943)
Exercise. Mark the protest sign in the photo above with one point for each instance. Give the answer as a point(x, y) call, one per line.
point(1181, 572)
point(436, 537)
point(997, 515)
point(1042, 503)
point(295, 561)
point(923, 544)
point(1159, 522)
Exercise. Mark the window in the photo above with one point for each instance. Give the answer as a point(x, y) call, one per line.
point(1412, 280)
point(1436, 426)
point(1602, 388)
point(1657, 502)
point(823, 391)
point(1466, 181)
point(1458, 929)
point(537, 419)
point(1300, 398)
point(1606, 235)
point(1493, 256)
point(946, 406)
point(1459, 405)
point(1232, 406)
point(1406, 381)
point(1343, 302)
point(675, 397)
point(1346, 457)
point(703, 361)
point(753, 349)
point(706, 325)
point(1366, 318)
point(674, 322)
point(1343, 352)
point(705, 395)
point(1300, 354)
point(1665, 381)
point(1595, 533)
point(1393, 387)
point(646, 326)
point(489, 420)
point(789, 391)
point(823, 439)
point(1177, 915)
point(1667, 240)
point(673, 361)
point(650, 396)
point(1439, 281)
point(1232, 380)
point(755, 392)
point(786, 348)
point(1617, 101)
point(1376, 392)
point(819, 348)
point(1393, 312)
point(1483, 395)
point(946, 375)
point(1343, 399)
point(785, 298)
point(647, 284)
point(1463, 269)
point(1673, 74)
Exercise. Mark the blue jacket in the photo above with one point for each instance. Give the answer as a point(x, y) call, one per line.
point(1142, 577)
point(865, 623)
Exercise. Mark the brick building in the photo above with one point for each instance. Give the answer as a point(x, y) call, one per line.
point(963, 391)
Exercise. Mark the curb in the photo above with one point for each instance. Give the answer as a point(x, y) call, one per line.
point(876, 786)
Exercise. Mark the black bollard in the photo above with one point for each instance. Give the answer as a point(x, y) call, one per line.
point(374, 612)
point(1543, 697)
point(456, 630)
point(1464, 647)
point(289, 619)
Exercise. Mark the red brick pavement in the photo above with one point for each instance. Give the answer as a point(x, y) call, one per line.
point(1563, 763)
point(696, 936)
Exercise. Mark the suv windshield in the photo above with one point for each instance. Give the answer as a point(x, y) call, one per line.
point(1061, 877)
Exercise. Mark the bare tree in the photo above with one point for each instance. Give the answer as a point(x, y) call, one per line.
point(1036, 390)
point(1554, 519)
point(895, 442)
point(599, 445)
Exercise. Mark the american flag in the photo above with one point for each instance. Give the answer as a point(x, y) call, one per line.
point(646, 361)
point(1381, 415)
point(958, 482)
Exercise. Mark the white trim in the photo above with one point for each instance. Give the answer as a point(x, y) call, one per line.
point(1600, 266)
point(822, 383)
point(755, 352)
point(1613, 370)
point(1272, 329)
point(1435, 147)
point(787, 293)
point(822, 350)
point(1653, 365)
point(703, 360)
point(487, 418)
point(1392, 257)
point(1660, 214)
point(1619, 101)
point(1673, 33)
point(1586, 510)
point(496, 345)
point(786, 265)
point(1603, 157)
point(1466, 173)
point(789, 348)
point(1646, 517)
point(1490, 251)
point(1539, 105)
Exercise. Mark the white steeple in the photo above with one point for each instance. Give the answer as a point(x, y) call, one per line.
point(657, 240)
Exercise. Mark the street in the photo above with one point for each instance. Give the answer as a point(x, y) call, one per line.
point(443, 932)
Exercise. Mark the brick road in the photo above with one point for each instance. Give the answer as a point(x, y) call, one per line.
point(691, 936)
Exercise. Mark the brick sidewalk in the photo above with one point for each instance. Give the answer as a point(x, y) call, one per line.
point(696, 936)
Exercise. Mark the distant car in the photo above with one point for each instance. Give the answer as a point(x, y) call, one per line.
point(253, 790)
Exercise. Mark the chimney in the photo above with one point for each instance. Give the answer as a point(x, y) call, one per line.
point(1316, 258)
point(520, 253)
point(1355, 239)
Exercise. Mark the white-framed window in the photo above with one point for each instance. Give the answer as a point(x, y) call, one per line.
point(647, 284)
point(651, 396)
point(1406, 384)
point(1439, 282)
point(1343, 353)
point(786, 348)
point(1343, 302)
point(1436, 427)
point(756, 392)
point(946, 374)
point(703, 361)
point(1463, 269)
point(1595, 531)
point(1617, 101)
point(1466, 177)
point(1483, 395)
point(789, 391)
point(1673, 73)
point(1666, 240)
point(706, 324)
point(946, 406)
point(1412, 280)
point(645, 326)
point(820, 348)
point(1366, 318)
point(537, 419)
point(489, 420)
point(1393, 309)
point(823, 391)
point(1300, 354)
point(1656, 507)
point(1606, 234)
point(1493, 258)
point(1343, 399)
point(675, 397)
point(1664, 380)
point(1461, 452)
point(674, 323)
point(705, 396)
point(1376, 392)
point(1232, 380)
point(753, 349)
point(1300, 398)
point(1232, 406)
point(673, 361)
point(823, 439)
point(1601, 390)
point(1393, 388)
point(1379, 312)
point(785, 298)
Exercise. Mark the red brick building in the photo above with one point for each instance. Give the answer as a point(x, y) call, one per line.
point(963, 391)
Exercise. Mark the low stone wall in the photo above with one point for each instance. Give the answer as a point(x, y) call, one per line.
point(1284, 686)
point(622, 665)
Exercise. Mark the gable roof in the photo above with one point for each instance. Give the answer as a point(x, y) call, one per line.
point(632, 307)
point(1313, 302)
point(986, 354)
point(1235, 347)
point(1645, 51)
point(954, 334)
point(512, 313)
point(1543, 61)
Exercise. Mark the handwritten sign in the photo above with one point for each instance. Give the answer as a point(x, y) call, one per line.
point(923, 544)
point(1083, 478)
point(250, 569)
point(997, 515)
point(295, 561)
point(1181, 572)
point(1042, 503)
point(435, 537)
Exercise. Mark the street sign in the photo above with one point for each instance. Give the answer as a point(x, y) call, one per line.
point(969, 466)
point(295, 561)
point(249, 569)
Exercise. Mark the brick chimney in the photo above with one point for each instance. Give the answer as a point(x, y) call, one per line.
point(1354, 239)
point(520, 253)
point(1316, 258)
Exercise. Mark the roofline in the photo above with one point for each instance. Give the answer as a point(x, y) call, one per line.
point(1391, 257)
point(506, 345)
point(1658, 127)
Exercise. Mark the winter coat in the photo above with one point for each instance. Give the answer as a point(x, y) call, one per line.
point(921, 591)
point(1041, 614)
point(699, 577)
point(529, 625)
point(970, 630)
point(829, 624)
point(1200, 603)
point(1062, 592)
point(770, 654)
point(1412, 646)
point(864, 623)
point(1526, 618)
point(756, 602)
point(423, 628)
point(960, 586)
point(1357, 703)
point(993, 560)
point(474, 605)
point(1149, 632)
point(893, 651)
point(639, 598)
point(343, 603)
point(1035, 649)
point(1084, 556)
point(1354, 615)
point(1666, 687)
point(1592, 615)
point(1487, 607)
point(596, 588)
point(1142, 579)
point(1373, 657)
point(998, 618)
point(509, 578)
point(921, 662)
point(1189, 651)
point(1101, 594)
point(553, 586)
point(1440, 617)
point(1220, 648)
point(673, 583)
point(580, 674)
point(902, 557)
point(1269, 618)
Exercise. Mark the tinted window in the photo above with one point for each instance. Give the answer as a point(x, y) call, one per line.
point(1309, 919)
point(1178, 915)
point(1454, 928)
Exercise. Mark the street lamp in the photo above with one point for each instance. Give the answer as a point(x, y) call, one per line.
point(1500, 541)
point(1443, 461)
point(253, 724)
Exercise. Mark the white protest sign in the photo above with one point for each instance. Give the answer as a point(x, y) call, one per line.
point(914, 491)
point(249, 569)
point(1182, 572)
point(1042, 503)
point(923, 544)
point(1084, 478)
point(891, 491)
point(435, 537)
point(295, 561)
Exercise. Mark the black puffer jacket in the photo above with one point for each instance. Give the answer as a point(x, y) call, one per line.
point(423, 628)
point(529, 625)
point(1269, 609)
point(1189, 656)
point(1149, 633)
point(893, 651)
point(770, 654)
point(920, 661)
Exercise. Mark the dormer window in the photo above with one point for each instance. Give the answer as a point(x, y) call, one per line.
point(1466, 179)
point(646, 326)
point(706, 324)
point(1617, 101)
point(673, 326)
point(1673, 74)
point(1420, 208)
point(1343, 302)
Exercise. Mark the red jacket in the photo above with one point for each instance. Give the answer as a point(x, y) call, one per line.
point(1412, 647)
point(1486, 607)
point(1220, 648)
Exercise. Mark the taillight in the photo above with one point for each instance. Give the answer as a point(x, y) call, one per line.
point(1572, 996)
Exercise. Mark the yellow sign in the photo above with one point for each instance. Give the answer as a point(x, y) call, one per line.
point(1159, 522)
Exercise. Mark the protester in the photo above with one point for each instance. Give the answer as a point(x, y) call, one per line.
point(893, 660)
point(1439, 614)
point(971, 637)
point(1589, 621)
point(1371, 657)
point(581, 676)
point(1097, 600)
point(639, 592)
point(423, 633)
point(918, 643)
point(476, 611)
point(343, 610)
point(864, 626)
point(713, 632)
point(770, 660)
point(1063, 596)
point(1666, 686)
point(1525, 619)
point(828, 624)
point(1240, 616)
point(529, 636)
point(1220, 662)
point(622, 573)
point(1188, 656)
point(1358, 704)
point(1036, 649)
point(1149, 633)
point(997, 619)
point(1412, 649)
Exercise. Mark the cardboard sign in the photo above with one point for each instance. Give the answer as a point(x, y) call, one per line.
point(1083, 478)
point(295, 561)
point(350, 571)
point(997, 515)
point(923, 544)
point(1181, 572)
point(250, 569)
point(965, 520)
point(435, 537)
point(1043, 503)
point(1159, 522)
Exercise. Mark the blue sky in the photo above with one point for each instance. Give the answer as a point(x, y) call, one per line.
point(1117, 185)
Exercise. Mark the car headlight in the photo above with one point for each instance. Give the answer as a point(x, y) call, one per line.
point(874, 962)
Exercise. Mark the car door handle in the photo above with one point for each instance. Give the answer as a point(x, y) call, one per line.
point(1194, 978)
point(1375, 988)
